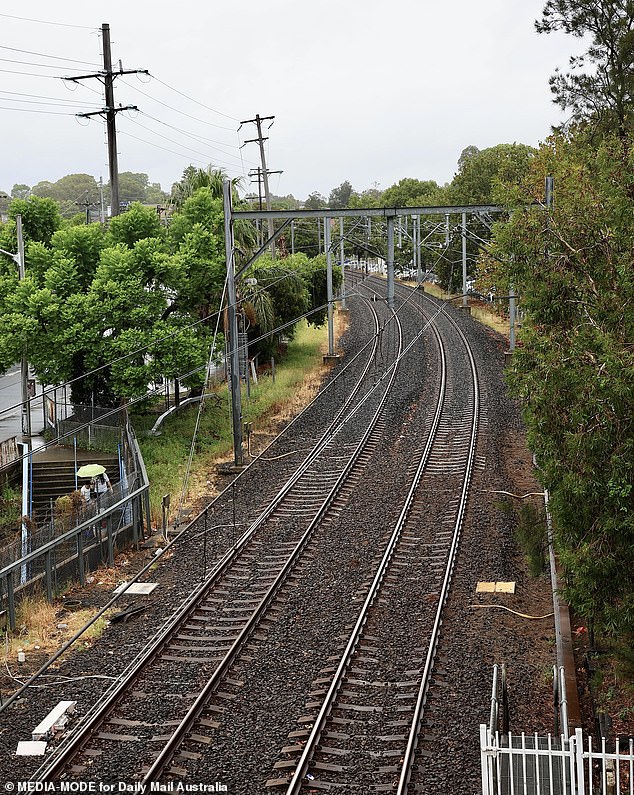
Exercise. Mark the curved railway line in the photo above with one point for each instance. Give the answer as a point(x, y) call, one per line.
point(306, 655)
point(220, 617)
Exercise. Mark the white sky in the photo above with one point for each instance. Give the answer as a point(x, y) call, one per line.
point(364, 90)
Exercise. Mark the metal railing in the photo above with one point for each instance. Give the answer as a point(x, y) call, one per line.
point(53, 554)
point(533, 765)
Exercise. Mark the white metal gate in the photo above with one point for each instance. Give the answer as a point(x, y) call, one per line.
point(536, 765)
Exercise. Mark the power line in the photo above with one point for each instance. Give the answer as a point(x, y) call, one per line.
point(40, 65)
point(31, 74)
point(47, 22)
point(56, 104)
point(193, 136)
point(46, 55)
point(32, 110)
point(160, 102)
point(42, 96)
point(195, 101)
point(158, 146)
point(149, 129)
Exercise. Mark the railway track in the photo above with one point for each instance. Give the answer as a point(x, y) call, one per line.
point(360, 729)
point(138, 726)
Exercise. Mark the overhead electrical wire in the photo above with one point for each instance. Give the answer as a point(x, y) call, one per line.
point(46, 55)
point(195, 101)
point(56, 104)
point(47, 22)
point(42, 96)
point(182, 112)
point(40, 65)
point(171, 140)
point(33, 110)
point(199, 138)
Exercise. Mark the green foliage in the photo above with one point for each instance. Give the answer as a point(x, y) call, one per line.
point(409, 192)
point(137, 223)
point(40, 219)
point(20, 191)
point(483, 175)
point(314, 272)
point(601, 97)
point(340, 197)
point(574, 371)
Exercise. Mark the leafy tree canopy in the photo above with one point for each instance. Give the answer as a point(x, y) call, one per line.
point(599, 88)
point(340, 197)
point(483, 174)
point(409, 192)
point(20, 191)
point(574, 370)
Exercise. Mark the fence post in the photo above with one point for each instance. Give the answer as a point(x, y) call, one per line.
point(581, 784)
point(110, 541)
point(80, 557)
point(485, 761)
point(148, 517)
point(49, 577)
point(11, 600)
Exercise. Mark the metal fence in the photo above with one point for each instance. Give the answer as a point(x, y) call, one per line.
point(533, 765)
point(62, 550)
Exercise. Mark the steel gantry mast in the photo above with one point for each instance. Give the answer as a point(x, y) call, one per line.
point(390, 214)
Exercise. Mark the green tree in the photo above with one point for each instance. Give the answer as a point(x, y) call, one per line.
point(195, 178)
point(603, 95)
point(574, 369)
point(40, 219)
point(409, 192)
point(315, 201)
point(20, 191)
point(137, 223)
point(484, 174)
point(340, 197)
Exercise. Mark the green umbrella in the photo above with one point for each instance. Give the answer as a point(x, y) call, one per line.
point(90, 470)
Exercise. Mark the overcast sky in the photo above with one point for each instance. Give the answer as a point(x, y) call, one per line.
point(362, 90)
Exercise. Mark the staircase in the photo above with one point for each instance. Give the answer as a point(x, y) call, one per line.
point(54, 474)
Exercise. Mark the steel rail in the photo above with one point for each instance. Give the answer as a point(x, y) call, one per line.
point(196, 709)
point(410, 752)
point(319, 724)
point(108, 702)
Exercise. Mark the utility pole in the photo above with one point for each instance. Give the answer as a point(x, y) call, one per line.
point(390, 261)
point(26, 404)
point(260, 175)
point(102, 216)
point(265, 173)
point(343, 265)
point(464, 259)
point(24, 365)
point(232, 321)
point(109, 112)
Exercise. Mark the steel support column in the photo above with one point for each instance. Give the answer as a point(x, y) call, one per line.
point(331, 308)
point(232, 322)
point(390, 261)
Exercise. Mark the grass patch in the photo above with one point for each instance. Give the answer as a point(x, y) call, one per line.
point(297, 378)
point(43, 627)
point(529, 524)
point(10, 509)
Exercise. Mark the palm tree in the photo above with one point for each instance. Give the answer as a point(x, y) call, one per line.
point(195, 178)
